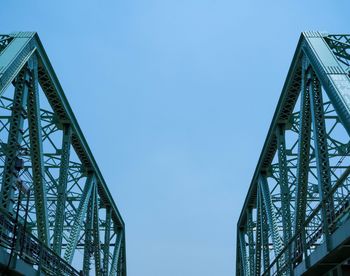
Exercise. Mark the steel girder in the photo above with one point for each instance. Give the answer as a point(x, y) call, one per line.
point(284, 186)
point(107, 239)
point(321, 154)
point(88, 246)
point(265, 238)
point(89, 189)
point(304, 137)
point(259, 234)
point(61, 189)
point(115, 265)
point(251, 245)
point(36, 150)
point(96, 234)
point(15, 137)
point(271, 215)
point(244, 261)
point(70, 208)
point(300, 192)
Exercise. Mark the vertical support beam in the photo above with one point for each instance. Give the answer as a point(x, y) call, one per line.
point(244, 257)
point(88, 235)
point(257, 269)
point(321, 152)
point(107, 239)
point(116, 252)
point(250, 234)
point(271, 216)
point(96, 234)
point(303, 158)
point(61, 189)
point(15, 137)
point(285, 191)
point(283, 181)
point(239, 262)
point(122, 258)
point(265, 236)
point(79, 217)
point(36, 153)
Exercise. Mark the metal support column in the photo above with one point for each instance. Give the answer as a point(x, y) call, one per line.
point(285, 191)
point(257, 269)
point(303, 159)
point(283, 182)
point(61, 189)
point(36, 153)
point(14, 140)
point(271, 216)
point(79, 217)
point(265, 235)
point(250, 234)
point(88, 247)
point(122, 262)
point(96, 234)
point(321, 152)
point(244, 257)
point(107, 239)
point(116, 252)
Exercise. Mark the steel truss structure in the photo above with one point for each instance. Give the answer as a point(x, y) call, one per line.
point(295, 219)
point(56, 212)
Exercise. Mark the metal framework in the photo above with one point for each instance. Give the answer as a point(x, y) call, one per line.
point(295, 219)
point(56, 212)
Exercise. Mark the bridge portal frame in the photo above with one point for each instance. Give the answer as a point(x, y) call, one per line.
point(25, 64)
point(320, 61)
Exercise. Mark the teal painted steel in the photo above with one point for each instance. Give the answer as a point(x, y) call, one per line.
point(88, 246)
point(321, 154)
point(107, 239)
point(46, 150)
point(243, 252)
point(257, 264)
point(284, 186)
point(96, 235)
point(271, 215)
point(36, 152)
point(116, 253)
point(300, 189)
point(251, 245)
point(304, 137)
point(79, 218)
point(61, 189)
point(15, 137)
point(265, 236)
point(14, 57)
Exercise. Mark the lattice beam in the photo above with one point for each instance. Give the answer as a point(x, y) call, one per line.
point(45, 151)
point(302, 176)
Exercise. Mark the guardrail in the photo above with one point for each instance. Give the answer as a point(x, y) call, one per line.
point(26, 246)
point(301, 243)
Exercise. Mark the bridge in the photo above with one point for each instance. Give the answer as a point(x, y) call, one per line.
point(57, 216)
point(295, 218)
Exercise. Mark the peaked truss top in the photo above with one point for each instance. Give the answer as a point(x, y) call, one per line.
point(17, 48)
point(69, 206)
point(295, 202)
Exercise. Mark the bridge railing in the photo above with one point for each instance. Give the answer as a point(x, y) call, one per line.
point(71, 209)
point(16, 241)
point(305, 242)
point(295, 218)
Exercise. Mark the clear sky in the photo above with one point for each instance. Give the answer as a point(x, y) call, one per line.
point(175, 98)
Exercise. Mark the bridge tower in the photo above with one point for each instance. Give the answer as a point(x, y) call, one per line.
point(57, 216)
point(296, 215)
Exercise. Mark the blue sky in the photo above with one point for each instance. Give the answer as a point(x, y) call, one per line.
point(175, 99)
